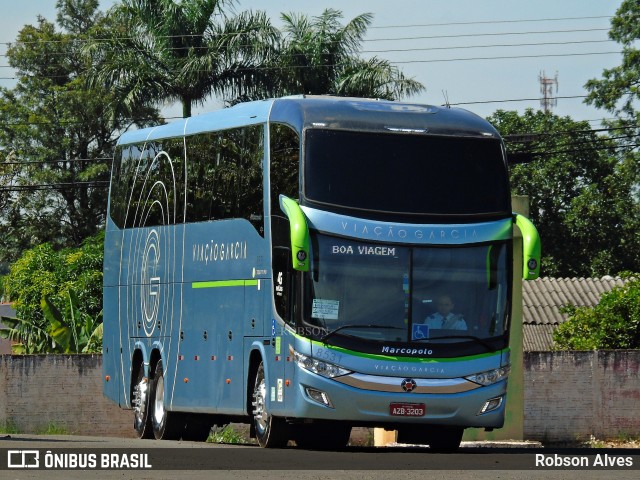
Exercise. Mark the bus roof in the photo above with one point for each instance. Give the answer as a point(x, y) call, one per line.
point(305, 111)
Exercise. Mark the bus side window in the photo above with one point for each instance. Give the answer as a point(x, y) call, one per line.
point(225, 176)
point(285, 164)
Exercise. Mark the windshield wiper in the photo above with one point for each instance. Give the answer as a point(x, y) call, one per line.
point(487, 345)
point(342, 327)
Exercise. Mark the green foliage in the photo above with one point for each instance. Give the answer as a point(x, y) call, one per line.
point(228, 434)
point(154, 51)
point(617, 91)
point(8, 427)
point(53, 428)
point(319, 56)
point(73, 330)
point(581, 195)
point(56, 138)
point(58, 298)
point(612, 324)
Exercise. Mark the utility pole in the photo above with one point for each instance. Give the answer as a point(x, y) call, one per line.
point(546, 89)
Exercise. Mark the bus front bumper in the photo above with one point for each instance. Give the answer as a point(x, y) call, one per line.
point(383, 401)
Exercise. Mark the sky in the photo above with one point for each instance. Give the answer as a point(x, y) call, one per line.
point(482, 55)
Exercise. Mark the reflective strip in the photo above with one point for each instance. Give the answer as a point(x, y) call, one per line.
point(225, 283)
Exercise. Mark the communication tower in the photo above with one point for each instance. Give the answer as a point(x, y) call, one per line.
point(546, 89)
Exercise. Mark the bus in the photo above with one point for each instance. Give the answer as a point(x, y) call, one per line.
point(282, 263)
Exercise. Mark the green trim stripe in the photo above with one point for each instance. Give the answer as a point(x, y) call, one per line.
point(225, 283)
point(375, 356)
point(395, 358)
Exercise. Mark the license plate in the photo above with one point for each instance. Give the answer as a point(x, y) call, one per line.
point(407, 409)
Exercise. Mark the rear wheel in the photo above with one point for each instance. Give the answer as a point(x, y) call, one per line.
point(140, 401)
point(166, 425)
point(271, 432)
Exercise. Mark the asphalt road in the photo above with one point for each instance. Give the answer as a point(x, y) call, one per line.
point(59, 456)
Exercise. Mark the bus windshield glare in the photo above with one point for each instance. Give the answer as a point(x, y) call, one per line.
point(396, 293)
point(405, 173)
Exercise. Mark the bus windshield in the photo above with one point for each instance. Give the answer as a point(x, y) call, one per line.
point(397, 293)
point(405, 173)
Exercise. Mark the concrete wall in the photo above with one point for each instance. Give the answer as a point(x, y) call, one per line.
point(567, 395)
point(572, 395)
point(62, 390)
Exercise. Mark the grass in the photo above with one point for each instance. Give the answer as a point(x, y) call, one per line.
point(53, 429)
point(229, 434)
point(8, 428)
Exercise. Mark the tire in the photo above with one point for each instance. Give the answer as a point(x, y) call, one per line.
point(322, 436)
point(140, 401)
point(166, 425)
point(271, 432)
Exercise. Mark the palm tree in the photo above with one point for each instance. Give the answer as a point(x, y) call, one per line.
point(156, 51)
point(320, 56)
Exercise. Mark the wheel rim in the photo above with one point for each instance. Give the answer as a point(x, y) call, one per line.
point(140, 400)
point(158, 404)
point(259, 411)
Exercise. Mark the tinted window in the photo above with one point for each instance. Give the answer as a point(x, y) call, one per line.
point(225, 176)
point(285, 164)
point(148, 184)
point(404, 173)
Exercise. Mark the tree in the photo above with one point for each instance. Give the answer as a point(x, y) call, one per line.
point(581, 196)
point(320, 56)
point(57, 296)
point(163, 51)
point(55, 139)
point(617, 91)
point(612, 324)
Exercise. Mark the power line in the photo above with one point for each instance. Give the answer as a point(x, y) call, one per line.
point(464, 35)
point(492, 22)
point(46, 162)
point(505, 45)
point(427, 49)
point(47, 186)
point(506, 57)
point(364, 40)
point(400, 62)
point(512, 100)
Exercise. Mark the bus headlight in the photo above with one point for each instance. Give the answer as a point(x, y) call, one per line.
point(325, 369)
point(490, 376)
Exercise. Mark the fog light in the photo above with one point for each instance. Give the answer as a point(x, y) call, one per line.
point(490, 405)
point(318, 396)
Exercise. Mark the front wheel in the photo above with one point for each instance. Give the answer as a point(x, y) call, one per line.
point(271, 432)
point(166, 425)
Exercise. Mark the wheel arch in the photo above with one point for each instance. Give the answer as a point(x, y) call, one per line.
point(139, 360)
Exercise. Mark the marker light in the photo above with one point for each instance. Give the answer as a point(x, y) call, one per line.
point(325, 369)
point(490, 405)
point(490, 376)
point(318, 396)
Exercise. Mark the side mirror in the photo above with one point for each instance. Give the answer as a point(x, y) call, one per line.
point(299, 233)
point(531, 247)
